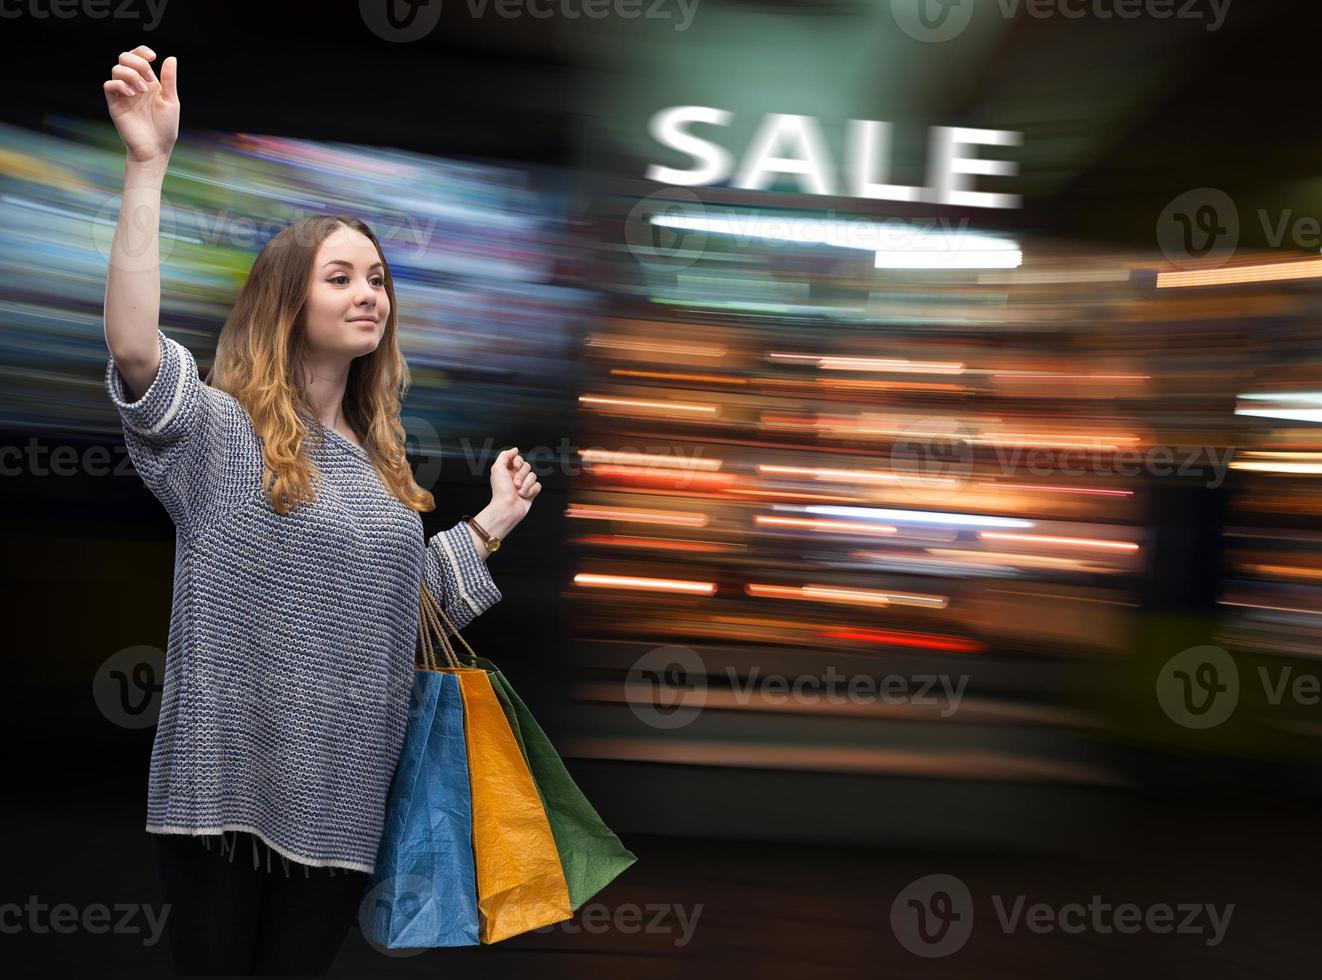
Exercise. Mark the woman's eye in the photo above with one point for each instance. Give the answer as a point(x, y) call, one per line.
point(379, 280)
point(339, 278)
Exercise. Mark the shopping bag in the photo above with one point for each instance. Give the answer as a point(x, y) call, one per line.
point(521, 883)
point(423, 889)
point(591, 855)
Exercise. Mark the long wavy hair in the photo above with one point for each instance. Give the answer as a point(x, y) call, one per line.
point(259, 358)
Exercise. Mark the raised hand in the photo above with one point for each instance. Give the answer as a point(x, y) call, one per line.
point(145, 110)
point(514, 485)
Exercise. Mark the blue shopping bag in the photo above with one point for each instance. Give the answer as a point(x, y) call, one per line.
point(423, 891)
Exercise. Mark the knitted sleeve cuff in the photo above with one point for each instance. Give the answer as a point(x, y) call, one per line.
point(458, 576)
point(167, 408)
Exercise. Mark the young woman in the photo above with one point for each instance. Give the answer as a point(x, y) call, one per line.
point(299, 558)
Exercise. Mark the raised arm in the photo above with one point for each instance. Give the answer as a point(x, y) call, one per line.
point(145, 112)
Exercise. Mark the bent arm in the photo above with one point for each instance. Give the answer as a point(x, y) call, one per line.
point(133, 281)
point(457, 576)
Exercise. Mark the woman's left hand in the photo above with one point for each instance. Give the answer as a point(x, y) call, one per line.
point(513, 484)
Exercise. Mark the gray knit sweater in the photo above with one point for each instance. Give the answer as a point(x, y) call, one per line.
point(289, 663)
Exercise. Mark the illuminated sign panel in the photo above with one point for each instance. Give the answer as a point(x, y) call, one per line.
point(792, 146)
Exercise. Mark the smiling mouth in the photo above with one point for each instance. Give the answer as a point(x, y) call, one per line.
point(363, 319)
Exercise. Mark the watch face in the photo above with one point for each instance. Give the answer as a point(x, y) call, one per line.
point(494, 544)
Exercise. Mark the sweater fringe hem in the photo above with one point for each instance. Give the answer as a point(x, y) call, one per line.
point(220, 829)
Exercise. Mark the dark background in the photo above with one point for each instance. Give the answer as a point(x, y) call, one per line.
point(90, 560)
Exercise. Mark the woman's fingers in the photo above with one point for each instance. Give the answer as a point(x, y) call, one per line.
point(140, 65)
point(113, 86)
point(131, 78)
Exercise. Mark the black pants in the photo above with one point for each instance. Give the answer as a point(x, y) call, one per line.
point(227, 917)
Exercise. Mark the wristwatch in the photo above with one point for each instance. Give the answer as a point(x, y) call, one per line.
point(490, 540)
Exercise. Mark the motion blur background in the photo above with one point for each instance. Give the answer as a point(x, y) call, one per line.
point(878, 539)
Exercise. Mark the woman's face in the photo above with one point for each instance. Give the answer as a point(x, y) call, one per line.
point(347, 303)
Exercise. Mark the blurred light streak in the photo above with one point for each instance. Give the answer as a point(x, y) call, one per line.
point(860, 234)
point(1051, 440)
point(898, 365)
point(922, 641)
point(1129, 546)
point(673, 518)
point(1286, 571)
point(1040, 488)
point(920, 516)
point(788, 495)
point(952, 258)
point(649, 459)
point(834, 527)
point(914, 564)
point(936, 762)
point(655, 346)
point(1006, 559)
point(655, 475)
point(1284, 609)
point(596, 581)
point(1238, 275)
point(859, 476)
point(832, 593)
point(1049, 376)
point(720, 379)
point(673, 408)
point(657, 544)
point(1265, 466)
